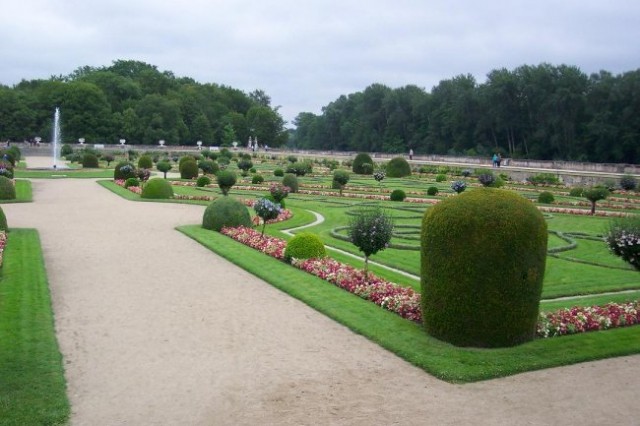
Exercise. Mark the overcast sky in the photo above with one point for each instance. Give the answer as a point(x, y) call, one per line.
point(305, 54)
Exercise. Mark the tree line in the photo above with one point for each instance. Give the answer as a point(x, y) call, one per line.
point(538, 112)
point(135, 101)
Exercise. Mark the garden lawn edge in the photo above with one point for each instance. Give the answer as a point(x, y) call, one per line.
point(407, 339)
point(32, 383)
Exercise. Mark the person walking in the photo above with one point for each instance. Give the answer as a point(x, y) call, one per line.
point(411, 154)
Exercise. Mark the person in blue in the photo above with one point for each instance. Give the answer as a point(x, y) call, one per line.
point(495, 160)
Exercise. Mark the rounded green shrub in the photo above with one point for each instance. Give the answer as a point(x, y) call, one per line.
point(66, 149)
point(131, 182)
point(291, 181)
point(357, 165)
point(628, 183)
point(226, 179)
point(124, 170)
point(3, 221)
point(225, 211)
point(7, 189)
point(483, 257)
point(432, 190)
point(398, 167)
point(576, 191)
point(441, 178)
point(203, 181)
point(185, 158)
point(398, 195)
point(90, 161)
point(189, 169)
point(278, 172)
point(305, 245)
point(257, 179)
point(145, 162)
point(157, 188)
point(546, 197)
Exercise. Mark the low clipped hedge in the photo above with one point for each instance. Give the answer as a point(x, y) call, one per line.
point(305, 245)
point(7, 189)
point(483, 257)
point(398, 167)
point(157, 189)
point(225, 211)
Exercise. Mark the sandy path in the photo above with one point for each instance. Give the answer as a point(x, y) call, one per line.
point(156, 330)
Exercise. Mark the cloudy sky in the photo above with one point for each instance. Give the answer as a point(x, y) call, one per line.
point(305, 54)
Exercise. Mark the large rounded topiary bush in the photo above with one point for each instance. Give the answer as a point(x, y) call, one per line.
point(189, 169)
point(304, 246)
point(483, 257)
point(90, 161)
point(3, 221)
point(157, 188)
point(225, 211)
point(124, 170)
point(291, 181)
point(145, 162)
point(398, 167)
point(357, 166)
point(7, 189)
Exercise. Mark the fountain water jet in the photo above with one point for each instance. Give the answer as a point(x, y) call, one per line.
point(56, 137)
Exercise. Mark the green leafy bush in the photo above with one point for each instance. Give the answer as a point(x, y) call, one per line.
point(340, 179)
point(203, 181)
point(628, 183)
point(432, 190)
point(164, 166)
point(7, 189)
point(209, 167)
point(157, 189)
point(441, 178)
point(90, 161)
point(66, 149)
point(398, 167)
point(185, 158)
point(305, 245)
point(257, 179)
point(189, 169)
point(131, 182)
point(357, 165)
point(278, 172)
point(145, 162)
point(225, 211)
point(124, 170)
point(398, 195)
point(300, 168)
point(576, 191)
point(483, 257)
point(546, 197)
point(226, 179)
point(245, 164)
point(3, 221)
point(543, 179)
point(291, 181)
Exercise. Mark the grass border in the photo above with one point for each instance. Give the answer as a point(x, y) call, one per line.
point(407, 339)
point(32, 383)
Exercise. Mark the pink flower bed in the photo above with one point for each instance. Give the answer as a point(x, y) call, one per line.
point(583, 319)
point(406, 302)
point(581, 212)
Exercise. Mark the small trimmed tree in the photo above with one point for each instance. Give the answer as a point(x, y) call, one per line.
point(370, 230)
point(594, 195)
point(340, 179)
point(266, 210)
point(226, 179)
point(623, 239)
point(164, 166)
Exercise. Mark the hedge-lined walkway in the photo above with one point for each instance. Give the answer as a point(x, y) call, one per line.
point(157, 330)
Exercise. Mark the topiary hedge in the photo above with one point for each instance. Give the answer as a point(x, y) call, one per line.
point(145, 162)
point(225, 211)
point(156, 189)
point(432, 190)
point(131, 182)
point(203, 181)
point(305, 245)
point(226, 179)
point(7, 189)
point(398, 167)
point(546, 197)
point(357, 165)
point(397, 195)
point(257, 179)
point(90, 161)
point(483, 257)
point(3, 221)
point(291, 181)
point(124, 170)
point(189, 169)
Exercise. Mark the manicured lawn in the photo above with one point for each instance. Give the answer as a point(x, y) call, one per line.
point(407, 339)
point(32, 384)
point(61, 174)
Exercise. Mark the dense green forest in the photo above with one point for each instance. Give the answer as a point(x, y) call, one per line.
point(135, 101)
point(537, 112)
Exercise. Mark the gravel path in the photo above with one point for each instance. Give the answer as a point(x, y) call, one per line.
point(156, 330)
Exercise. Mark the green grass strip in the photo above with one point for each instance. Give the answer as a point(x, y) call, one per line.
point(32, 384)
point(64, 173)
point(407, 339)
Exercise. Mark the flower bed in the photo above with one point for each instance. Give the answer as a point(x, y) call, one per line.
point(406, 302)
point(3, 243)
point(583, 319)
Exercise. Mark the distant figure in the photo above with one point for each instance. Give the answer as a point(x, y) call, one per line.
point(495, 160)
point(499, 160)
point(411, 154)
